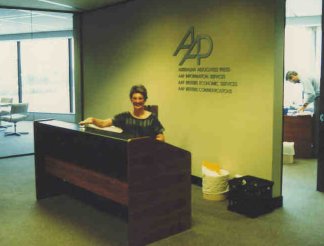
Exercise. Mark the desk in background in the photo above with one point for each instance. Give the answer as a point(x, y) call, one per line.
point(299, 129)
point(150, 178)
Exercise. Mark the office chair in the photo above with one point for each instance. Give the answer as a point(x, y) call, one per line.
point(18, 112)
point(152, 108)
point(5, 103)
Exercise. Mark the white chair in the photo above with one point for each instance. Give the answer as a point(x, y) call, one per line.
point(18, 112)
point(5, 104)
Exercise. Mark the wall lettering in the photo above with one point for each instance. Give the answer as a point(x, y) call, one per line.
point(194, 46)
point(206, 80)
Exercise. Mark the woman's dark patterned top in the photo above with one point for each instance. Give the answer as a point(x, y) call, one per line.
point(150, 126)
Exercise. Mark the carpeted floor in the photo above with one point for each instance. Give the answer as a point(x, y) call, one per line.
point(17, 145)
point(63, 220)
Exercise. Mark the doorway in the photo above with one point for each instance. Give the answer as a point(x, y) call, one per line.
point(303, 49)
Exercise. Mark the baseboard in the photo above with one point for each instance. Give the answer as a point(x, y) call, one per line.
point(277, 202)
point(12, 156)
point(196, 180)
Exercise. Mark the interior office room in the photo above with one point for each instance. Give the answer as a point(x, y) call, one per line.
point(215, 69)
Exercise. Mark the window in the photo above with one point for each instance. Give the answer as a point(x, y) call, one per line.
point(45, 74)
point(302, 54)
point(8, 75)
point(299, 48)
point(36, 59)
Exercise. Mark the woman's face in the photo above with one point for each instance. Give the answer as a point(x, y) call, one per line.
point(137, 100)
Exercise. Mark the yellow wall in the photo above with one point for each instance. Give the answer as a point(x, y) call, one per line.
point(134, 43)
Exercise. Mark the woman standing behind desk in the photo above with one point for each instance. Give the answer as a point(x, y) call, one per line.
point(138, 122)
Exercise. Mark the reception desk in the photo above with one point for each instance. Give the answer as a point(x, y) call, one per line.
point(151, 179)
point(299, 129)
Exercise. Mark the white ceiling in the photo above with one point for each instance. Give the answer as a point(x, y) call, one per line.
point(29, 18)
point(14, 21)
point(59, 5)
point(294, 7)
point(301, 8)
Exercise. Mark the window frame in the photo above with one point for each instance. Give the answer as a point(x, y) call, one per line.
point(17, 38)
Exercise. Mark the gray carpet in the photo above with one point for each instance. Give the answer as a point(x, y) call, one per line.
point(17, 145)
point(63, 220)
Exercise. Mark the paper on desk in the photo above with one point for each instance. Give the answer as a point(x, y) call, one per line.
point(304, 113)
point(109, 128)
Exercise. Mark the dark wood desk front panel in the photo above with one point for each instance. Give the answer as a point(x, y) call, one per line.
point(299, 129)
point(152, 179)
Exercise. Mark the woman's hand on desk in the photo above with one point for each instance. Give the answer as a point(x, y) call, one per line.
point(96, 122)
point(87, 121)
point(160, 137)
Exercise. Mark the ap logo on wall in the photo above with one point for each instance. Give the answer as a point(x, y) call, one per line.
point(194, 46)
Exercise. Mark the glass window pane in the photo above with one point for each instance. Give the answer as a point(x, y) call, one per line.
point(45, 74)
point(318, 50)
point(299, 49)
point(300, 56)
point(8, 66)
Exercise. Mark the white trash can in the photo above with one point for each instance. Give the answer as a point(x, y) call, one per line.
point(288, 152)
point(214, 184)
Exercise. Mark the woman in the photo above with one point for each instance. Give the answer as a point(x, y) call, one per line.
point(138, 122)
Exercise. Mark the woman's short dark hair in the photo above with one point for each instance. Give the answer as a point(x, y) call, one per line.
point(138, 89)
